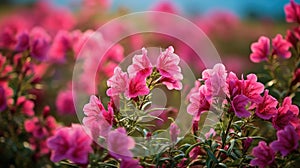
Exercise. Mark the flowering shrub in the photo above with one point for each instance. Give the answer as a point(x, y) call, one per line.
point(236, 120)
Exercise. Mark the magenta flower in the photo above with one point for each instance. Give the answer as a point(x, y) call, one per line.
point(174, 132)
point(210, 134)
point(39, 43)
point(287, 141)
point(287, 114)
point(70, 143)
point(238, 104)
point(267, 108)
point(167, 65)
point(22, 41)
point(264, 155)
point(251, 88)
point(65, 103)
point(281, 47)
point(97, 119)
point(130, 163)
point(35, 127)
point(119, 144)
point(140, 63)
point(198, 103)
point(117, 83)
point(260, 50)
point(137, 86)
point(292, 12)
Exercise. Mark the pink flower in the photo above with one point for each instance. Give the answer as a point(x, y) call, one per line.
point(264, 155)
point(137, 86)
point(195, 152)
point(140, 63)
point(65, 103)
point(60, 46)
point(198, 103)
point(97, 119)
point(260, 50)
point(166, 7)
point(251, 88)
point(70, 143)
point(119, 144)
point(167, 65)
point(174, 132)
point(281, 47)
point(117, 83)
point(292, 12)
point(238, 104)
point(215, 81)
point(39, 43)
point(267, 108)
point(35, 127)
point(287, 141)
point(211, 133)
point(287, 114)
point(22, 42)
point(27, 106)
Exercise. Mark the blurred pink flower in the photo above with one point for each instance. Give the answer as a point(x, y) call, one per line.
point(260, 50)
point(264, 155)
point(27, 106)
point(22, 41)
point(140, 63)
point(130, 163)
point(137, 86)
point(3, 103)
point(287, 141)
point(287, 114)
point(165, 6)
point(35, 127)
point(292, 12)
point(281, 47)
point(195, 152)
point(119, 144)
point(39, 43)
point(238, 105)
point(117, 83)
point(174, 132)
point(60, 46)
point(198, 103)
point(267, 108)
point(65, 103)
point(71, 143)
point(7, 94)
point(167, 65)
point(97, 119)
point(210, 133)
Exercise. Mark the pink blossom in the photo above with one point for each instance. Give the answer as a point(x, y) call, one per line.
point(210, 133)
point(130, 163)
point(117, 83)
point(195, 152)
point(251, 88)
point(64, 102)
point(167, 65)
point(140, 63)
point(119, 144)
point(234, 85)
point(260, 50)
point(198, 103)
point(238, 104)
point(137, 86)
point(35, 127)
point(287, 141)
point(22, 41)
point(166, 7)
point(215, 81)
point(60, 46)
point(264, 155)
point(39, 43)
point(174, 132)
point(287, 114)
point(267, 108)
point(292, 12)
point(97, 119)
point(281, 47)
point(70, 143)
point(27, 106)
